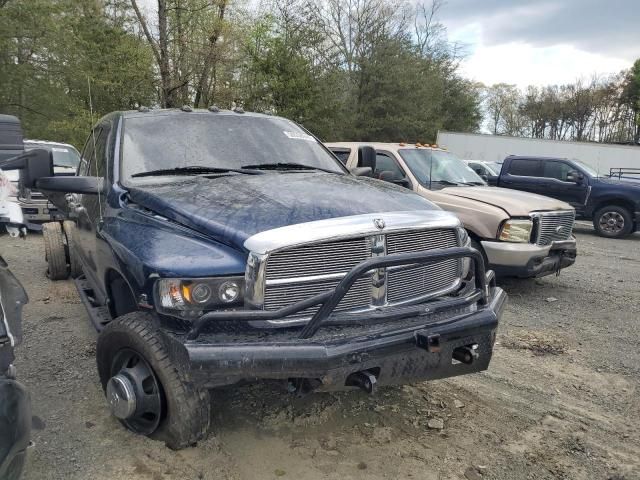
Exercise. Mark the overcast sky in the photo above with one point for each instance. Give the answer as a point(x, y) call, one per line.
point(543, 41)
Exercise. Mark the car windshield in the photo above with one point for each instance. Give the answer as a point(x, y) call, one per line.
point(495, 167)
point(63, 155)
point(439, 169)
point(208, 143)
point(587, 169)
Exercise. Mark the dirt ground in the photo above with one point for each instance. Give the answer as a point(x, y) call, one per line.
point(561, 399)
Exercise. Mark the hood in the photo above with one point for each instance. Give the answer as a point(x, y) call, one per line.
point(515, 202)
point(623, 182)
point(230, 209)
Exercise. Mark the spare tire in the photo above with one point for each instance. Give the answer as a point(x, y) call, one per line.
point(54, 251)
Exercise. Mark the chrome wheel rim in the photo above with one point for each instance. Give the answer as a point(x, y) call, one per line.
point(133, 392)
point(611, 222)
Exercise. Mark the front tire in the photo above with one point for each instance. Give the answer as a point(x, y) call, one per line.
point(149, 391)
point(613, 222)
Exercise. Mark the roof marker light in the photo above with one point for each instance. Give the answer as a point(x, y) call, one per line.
point(186, 108)
point(214, 109)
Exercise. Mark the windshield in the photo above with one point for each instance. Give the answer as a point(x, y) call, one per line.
point(587, 169)
point(438, 168)
point(63, 155)
point(495, 167)
point(217, 141)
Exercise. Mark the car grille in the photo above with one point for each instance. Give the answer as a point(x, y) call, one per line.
point(300, 272)
point(554, 226)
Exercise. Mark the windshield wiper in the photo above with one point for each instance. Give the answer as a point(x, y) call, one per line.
point(446, 182)
point(474, 183)
point(284, 166)
point(191, 170)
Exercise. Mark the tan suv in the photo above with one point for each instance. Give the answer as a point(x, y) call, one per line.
point(520, 234)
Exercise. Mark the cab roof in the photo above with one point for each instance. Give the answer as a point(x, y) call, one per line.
point(386, 146)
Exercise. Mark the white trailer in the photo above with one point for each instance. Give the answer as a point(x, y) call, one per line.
point(602, 157)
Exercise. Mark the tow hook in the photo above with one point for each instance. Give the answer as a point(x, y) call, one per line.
point(365, 380)
point(466, 354)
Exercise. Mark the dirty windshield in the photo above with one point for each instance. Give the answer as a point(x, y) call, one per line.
point(437, 169)
point(194, 143)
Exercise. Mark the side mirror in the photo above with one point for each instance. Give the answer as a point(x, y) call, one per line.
point(485, 178)
point(362, 171)
point(367, 157)
point(82, 185)
point(33, 164)
point(575, 176)
point(389, 176)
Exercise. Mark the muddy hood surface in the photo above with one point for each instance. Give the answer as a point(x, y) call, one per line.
point(230, 209)
point(514, 202)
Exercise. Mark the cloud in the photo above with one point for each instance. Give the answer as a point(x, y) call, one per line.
point(610, 27)
point(544, 42)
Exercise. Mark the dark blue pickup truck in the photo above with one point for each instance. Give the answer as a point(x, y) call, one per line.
point(612, 204)
point(221, 246)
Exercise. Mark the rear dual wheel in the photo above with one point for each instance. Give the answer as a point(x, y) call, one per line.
point(60, 250)
point(148, 391)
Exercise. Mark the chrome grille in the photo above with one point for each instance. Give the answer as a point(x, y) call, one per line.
point(323, 259)
point(403, 242)
point(282, 295)
point(300, 272)
point(421, 280)
point(554, 226)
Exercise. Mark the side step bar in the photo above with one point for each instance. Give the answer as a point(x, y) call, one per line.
point(99, 315)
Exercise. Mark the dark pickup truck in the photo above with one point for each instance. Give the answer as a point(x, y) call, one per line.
point(612, 204)
point(221, 246)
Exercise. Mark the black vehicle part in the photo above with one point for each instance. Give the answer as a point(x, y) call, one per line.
point(54, 251)
point(466, 354)
point(613, 221)
point(331, 298)
point(121, 299)
point(75, 269)
point(99, 315)
point(134, 363)
point(15, 428)
point(365, 380)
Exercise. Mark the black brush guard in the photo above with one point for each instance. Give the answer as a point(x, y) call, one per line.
point(329, 300)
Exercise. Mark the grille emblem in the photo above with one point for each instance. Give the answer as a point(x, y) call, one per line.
point(379, 223)
point(559, 229)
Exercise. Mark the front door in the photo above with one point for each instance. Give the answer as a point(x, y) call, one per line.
point(89, 208)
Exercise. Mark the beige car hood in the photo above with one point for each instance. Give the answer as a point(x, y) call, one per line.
point(514, 202)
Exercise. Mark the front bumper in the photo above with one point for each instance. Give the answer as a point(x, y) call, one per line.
point(396, 345)
point(526, 260)
point(38, 211)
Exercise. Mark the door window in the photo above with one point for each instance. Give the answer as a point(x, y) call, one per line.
point(342, 154)
point(386, 163)
point(525, 168)
point(557, 170)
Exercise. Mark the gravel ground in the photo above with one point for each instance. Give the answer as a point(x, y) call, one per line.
point(559, 401)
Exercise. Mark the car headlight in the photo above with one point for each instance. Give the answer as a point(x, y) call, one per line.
point(516, 231)
point(191, 297)
point(465, 241)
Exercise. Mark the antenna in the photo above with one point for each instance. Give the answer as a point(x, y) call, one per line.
point(93, 137)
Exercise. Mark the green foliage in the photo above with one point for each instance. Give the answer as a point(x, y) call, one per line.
point(381, 84)
point(49, 52)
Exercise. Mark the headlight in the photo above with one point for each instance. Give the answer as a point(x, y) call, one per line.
point(465, 241)
point(516, 231)
point(191, 297)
